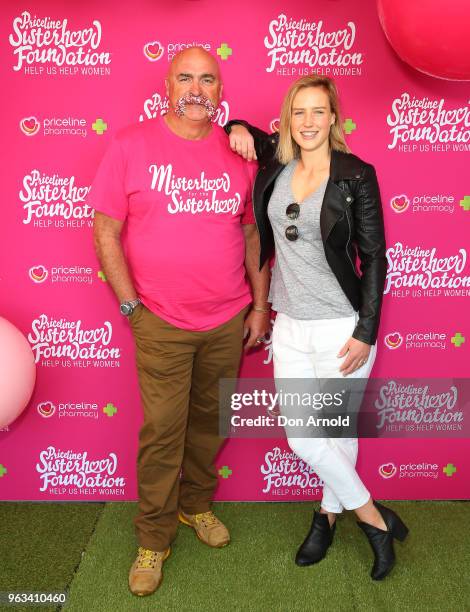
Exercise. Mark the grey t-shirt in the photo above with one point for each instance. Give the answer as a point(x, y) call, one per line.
point(303, 285)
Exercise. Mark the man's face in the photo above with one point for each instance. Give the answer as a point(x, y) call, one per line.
point(193, 72)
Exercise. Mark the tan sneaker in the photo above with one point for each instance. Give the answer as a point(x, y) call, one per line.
point(146, 574)
point(208, 528)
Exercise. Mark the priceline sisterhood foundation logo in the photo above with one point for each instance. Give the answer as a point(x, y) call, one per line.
point(60, 342)
point(408, 407)
point(422, 124)
point(299, 47)
point(73, 473)
point(43, 44)
point(285, 474)
point(416, 272)
point(53, 200)
point(158, 105)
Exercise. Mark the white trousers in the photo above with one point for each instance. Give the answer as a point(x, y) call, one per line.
point(308, 349)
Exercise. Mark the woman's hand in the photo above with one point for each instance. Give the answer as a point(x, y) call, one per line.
point(242, 142)
point(357, 355)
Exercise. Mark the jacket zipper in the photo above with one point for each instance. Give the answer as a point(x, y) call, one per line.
point(347, 245)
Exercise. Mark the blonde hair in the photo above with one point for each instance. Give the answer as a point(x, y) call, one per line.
point(287, 148)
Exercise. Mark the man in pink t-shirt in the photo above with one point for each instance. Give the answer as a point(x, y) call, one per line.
point(174, 231)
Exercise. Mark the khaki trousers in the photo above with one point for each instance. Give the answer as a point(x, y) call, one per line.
point(179, 374)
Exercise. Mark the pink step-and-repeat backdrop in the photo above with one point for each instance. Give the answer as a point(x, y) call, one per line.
point(75, 73)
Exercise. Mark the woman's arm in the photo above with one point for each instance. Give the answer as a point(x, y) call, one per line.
point(265, 144)
point(370, 241)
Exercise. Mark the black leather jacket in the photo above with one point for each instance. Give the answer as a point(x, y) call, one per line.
point(351, 224)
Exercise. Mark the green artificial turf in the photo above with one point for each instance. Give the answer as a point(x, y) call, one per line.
point(257, 572)
point(41, 545)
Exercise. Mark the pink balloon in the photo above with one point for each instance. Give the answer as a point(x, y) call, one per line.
point(17, 372)
point(430, 35)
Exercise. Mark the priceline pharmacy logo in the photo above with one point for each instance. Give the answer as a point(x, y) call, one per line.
point(426, 339)
point(78, 410)
point(413, 471)
point(154, 50)
point(428, 203)
point(30, 126)
point(68, 275)
point(61, 126)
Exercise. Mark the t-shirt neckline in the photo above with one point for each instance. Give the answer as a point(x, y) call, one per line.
point(189, 141)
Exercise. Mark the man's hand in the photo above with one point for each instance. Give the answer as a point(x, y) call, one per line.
point(256, 327)
point(358, 353)
point(242, 142)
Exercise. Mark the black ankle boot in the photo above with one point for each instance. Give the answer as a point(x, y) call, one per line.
point(382, 541)
point(319, 538)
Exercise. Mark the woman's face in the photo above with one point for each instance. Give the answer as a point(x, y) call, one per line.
point(311, 119)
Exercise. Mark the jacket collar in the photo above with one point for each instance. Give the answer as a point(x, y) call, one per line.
point(344, 166)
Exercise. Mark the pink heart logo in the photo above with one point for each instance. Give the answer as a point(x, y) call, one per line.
point(274, 125)
point(393, 341)
point(46, 409)
point(29, 126)
point(38, 274)
point(387, 470)
point(399, 203)
point(153, 51)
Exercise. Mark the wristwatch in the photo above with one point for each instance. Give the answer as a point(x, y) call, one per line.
point(127, 308)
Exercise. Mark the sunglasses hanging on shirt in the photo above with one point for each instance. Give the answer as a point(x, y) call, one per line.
point(292, 212)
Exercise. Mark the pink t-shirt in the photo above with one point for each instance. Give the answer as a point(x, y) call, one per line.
point(184, 203)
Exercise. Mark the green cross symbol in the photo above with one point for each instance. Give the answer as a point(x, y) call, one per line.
point(110, 410)
point(457, 339)
point(3, 470)
point(349, 126)
point(225, 471)
point(99, 126)
point(465, 203)
point(449, 469)
point(102, 276)
point(224, 51)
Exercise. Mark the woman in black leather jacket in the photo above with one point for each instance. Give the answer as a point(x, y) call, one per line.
point(318, 206)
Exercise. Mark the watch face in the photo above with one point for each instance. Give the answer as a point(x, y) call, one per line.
point(126, 308)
